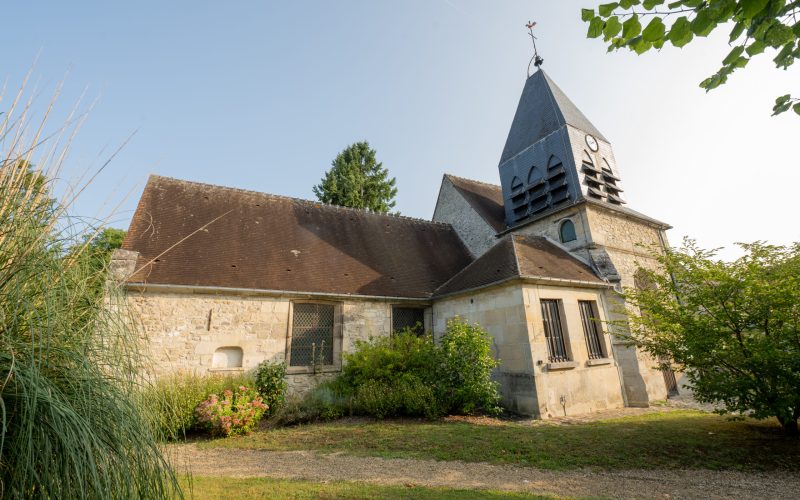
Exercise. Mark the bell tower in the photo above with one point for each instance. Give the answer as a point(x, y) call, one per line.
point(554, 156)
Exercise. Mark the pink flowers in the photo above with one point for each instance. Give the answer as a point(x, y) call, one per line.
point(236, 413)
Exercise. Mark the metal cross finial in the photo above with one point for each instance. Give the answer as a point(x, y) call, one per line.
point(536, 60)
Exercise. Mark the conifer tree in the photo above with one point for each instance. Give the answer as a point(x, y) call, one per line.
point(358, 180)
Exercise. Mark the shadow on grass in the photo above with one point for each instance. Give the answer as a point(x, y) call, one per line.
point(669, 440)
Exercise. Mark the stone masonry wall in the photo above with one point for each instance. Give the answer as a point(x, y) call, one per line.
point(453, 209)
point(581, 385)
point(182, 339)
point(511, 314)
point(630, 243)
point(501, 312)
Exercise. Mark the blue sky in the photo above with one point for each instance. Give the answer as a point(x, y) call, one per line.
point(263, 95)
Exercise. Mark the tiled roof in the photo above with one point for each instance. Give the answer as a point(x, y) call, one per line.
point(485, 199)
point(519, 256)
point(267, 242)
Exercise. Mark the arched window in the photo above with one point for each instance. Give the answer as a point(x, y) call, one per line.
point(567, 231)
point(227, 358)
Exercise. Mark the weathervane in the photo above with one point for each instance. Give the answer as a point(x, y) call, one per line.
point(536, 59)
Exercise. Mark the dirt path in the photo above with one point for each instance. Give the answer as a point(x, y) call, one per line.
point(315, 466)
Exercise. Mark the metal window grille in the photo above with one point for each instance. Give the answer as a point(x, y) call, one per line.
point(312, 335)
point(556, 348)
point(593, 340)
point(408, 317)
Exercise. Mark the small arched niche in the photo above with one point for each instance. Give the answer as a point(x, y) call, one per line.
point(227, 358)
point(566, 232)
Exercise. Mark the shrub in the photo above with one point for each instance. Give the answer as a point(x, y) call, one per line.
point(407, 396)
point(731, 327)
point(389, 358)
point(271, 383)
point(171, 401)
point(236, 413)
point(464, 371)
point(322, 403)
point(411, 375)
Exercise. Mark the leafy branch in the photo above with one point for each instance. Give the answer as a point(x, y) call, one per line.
point(757, 26)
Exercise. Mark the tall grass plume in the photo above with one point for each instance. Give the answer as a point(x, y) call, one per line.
point(70, 426)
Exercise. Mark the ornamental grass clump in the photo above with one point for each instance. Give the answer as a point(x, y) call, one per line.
point(69, 424)
point(237, 412)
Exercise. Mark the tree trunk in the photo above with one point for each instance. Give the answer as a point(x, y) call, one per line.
point(789, 426)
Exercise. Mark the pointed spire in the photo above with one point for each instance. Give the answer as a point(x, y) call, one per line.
point(543, 108)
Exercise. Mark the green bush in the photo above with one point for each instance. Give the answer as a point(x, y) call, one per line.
point(464, 369)
point(322, 403)
point(407, 396)
point(271, 384)
point(171, 400)
point(388, 358)
point(407, 374)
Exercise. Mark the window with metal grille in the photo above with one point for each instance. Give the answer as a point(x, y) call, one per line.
point(408, 317)
point(553, 331)
point(594, 341)
point(312, 334)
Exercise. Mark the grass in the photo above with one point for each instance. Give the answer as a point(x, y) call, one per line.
point(245, 488)
point(668, 440)
point(69, 360)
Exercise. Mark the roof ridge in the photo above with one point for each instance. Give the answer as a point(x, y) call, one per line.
point(301, 200)
point(472, 180)
point(474, 262)
point(514, 252)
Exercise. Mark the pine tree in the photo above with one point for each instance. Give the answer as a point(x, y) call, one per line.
point(357, 180)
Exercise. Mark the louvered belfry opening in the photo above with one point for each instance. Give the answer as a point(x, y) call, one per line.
point(594, 342)
point(553, 331)
point(541, 191)
point(312, 334)
point(412, 318)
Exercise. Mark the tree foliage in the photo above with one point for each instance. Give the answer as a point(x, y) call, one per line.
point(357, 180)
point(732, 327)
point(756, 25)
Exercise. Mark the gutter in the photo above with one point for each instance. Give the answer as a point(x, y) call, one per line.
point(199, 289)
point(535, 280)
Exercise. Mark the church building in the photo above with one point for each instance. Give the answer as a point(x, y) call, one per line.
point(222, 278)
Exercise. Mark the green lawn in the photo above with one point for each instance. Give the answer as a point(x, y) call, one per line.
point(203, 488)
point(672, 440)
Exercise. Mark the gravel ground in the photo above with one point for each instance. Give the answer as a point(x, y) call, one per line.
point(312, 466)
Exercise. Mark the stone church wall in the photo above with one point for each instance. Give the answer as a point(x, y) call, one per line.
point(581, 385)
point(501, 312)
point(184, 330)
point(629, 244)
point(453, 209)
point(530, 384)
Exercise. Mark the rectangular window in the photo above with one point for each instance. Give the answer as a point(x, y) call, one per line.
point(591, 330)
point(408, 317)
point(553, 331)
point(312, 334)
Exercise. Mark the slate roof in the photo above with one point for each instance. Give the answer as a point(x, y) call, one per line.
point(485, 199)
point(267, 242)
point(543, 108)
point(520, 256)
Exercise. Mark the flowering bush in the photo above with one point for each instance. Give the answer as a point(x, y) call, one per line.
point(237, 412)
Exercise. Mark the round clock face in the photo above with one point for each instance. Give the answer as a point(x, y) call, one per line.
point(591, 142)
